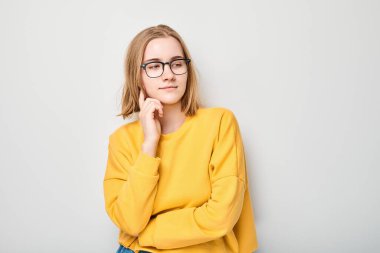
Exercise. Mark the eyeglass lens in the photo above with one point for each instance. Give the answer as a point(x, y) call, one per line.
point(155, 69)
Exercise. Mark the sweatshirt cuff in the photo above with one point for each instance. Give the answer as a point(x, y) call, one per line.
point(146, 237)
point(146, 165)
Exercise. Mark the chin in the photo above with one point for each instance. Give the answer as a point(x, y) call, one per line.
point(169, 100)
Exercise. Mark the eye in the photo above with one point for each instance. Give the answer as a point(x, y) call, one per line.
point(154, 66)
point(177, 64)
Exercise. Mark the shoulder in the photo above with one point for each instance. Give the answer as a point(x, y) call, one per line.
point(216, 113)
point(122, 133)
point(217, 119)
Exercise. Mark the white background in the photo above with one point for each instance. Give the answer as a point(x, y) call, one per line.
point(301, 76)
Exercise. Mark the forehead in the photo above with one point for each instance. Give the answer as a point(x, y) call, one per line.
point(163, 48)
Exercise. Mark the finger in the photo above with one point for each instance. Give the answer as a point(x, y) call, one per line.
point(151, 109)
point(160, 108)
point(156, 101)
point(157, 107)
point(147, 105)
point(141, 99)
point(153, 99)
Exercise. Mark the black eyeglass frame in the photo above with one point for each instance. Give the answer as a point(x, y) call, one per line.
point(187, 60)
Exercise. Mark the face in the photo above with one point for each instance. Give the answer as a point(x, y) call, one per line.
point(164, 49)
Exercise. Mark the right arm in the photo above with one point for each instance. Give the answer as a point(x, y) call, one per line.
point(130, 187)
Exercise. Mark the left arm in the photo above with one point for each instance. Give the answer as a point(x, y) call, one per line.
point(216, 217)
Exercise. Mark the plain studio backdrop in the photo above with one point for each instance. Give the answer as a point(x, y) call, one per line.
point(301, 76)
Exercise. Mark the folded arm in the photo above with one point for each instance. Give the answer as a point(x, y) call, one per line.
point(215, 218)
point(129, 187)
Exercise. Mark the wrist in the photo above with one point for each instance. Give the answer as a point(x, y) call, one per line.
point(150, 142)
point(149, 148)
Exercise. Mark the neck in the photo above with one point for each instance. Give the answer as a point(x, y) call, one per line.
point(172, 119)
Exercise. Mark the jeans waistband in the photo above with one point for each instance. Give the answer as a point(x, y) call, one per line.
point(123, 249)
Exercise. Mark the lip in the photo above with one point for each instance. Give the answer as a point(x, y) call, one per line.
point(169, 88)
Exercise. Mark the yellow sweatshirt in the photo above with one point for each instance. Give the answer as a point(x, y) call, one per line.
point(193, 197)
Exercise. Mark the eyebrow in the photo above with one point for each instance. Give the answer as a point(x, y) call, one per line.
point(158, 59)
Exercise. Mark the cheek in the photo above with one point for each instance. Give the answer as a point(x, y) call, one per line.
point(183, 80)
point(151, 87)
point(147, 82)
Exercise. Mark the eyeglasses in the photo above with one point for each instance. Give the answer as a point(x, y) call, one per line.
point(156, 69)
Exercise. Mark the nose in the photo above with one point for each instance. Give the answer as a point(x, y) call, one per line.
point(167, 71)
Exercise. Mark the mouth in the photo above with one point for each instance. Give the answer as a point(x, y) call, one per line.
point(168, 87)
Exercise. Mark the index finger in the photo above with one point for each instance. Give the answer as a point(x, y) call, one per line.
point(141, 99)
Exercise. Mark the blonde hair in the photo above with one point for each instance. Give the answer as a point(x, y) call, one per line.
point(190, 101)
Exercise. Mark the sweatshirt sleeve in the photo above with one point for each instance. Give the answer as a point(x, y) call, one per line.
point(215, 218)
point(130, 186)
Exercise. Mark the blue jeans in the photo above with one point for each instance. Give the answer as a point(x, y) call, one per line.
point(123, 249)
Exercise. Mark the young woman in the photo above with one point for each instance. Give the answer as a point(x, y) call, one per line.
point(176, 179)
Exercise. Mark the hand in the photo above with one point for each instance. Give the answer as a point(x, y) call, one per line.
point(149, 119)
